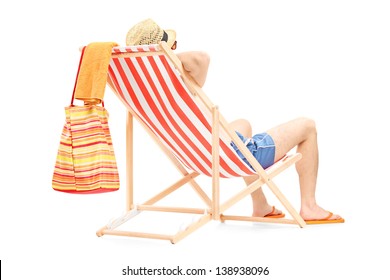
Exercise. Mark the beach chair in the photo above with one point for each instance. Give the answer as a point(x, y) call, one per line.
point(158, 93)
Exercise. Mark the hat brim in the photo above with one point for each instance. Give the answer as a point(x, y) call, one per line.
point(171, 37)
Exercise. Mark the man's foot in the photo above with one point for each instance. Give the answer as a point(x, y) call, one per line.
point(268, 212)
point(330, 219)
point(317, 215)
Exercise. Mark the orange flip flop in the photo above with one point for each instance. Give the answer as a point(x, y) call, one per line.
point(325, 220)
point(272, 214)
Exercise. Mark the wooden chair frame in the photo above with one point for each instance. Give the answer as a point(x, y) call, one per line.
point(214, 208)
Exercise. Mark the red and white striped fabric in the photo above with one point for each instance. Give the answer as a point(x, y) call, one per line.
point(152, 87)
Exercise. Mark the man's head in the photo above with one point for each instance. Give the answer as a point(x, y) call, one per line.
point(148, 32)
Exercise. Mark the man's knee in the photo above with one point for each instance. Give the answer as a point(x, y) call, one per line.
point(309, 125)
point(243, 126)
point(247, 127)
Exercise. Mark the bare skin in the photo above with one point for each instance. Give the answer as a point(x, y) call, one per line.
point(300, 133)
point(196, 64)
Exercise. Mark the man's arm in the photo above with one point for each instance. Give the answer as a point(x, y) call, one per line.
point(196, 64)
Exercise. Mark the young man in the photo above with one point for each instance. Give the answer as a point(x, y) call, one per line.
point(269, 146)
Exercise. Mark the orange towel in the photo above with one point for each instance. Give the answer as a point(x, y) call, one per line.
point(92, 78)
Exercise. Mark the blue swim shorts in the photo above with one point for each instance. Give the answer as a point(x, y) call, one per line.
point(261, 146)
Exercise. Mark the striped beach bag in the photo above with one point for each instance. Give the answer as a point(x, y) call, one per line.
point(85, 160)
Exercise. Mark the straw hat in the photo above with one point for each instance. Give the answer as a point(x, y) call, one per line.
point(148, 32)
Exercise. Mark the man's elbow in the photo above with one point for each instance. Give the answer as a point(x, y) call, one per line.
point(203, 59)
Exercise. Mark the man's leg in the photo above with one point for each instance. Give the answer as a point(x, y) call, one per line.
point(302, 133)
point(260, 204)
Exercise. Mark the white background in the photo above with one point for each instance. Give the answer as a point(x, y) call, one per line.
point(271, 61)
